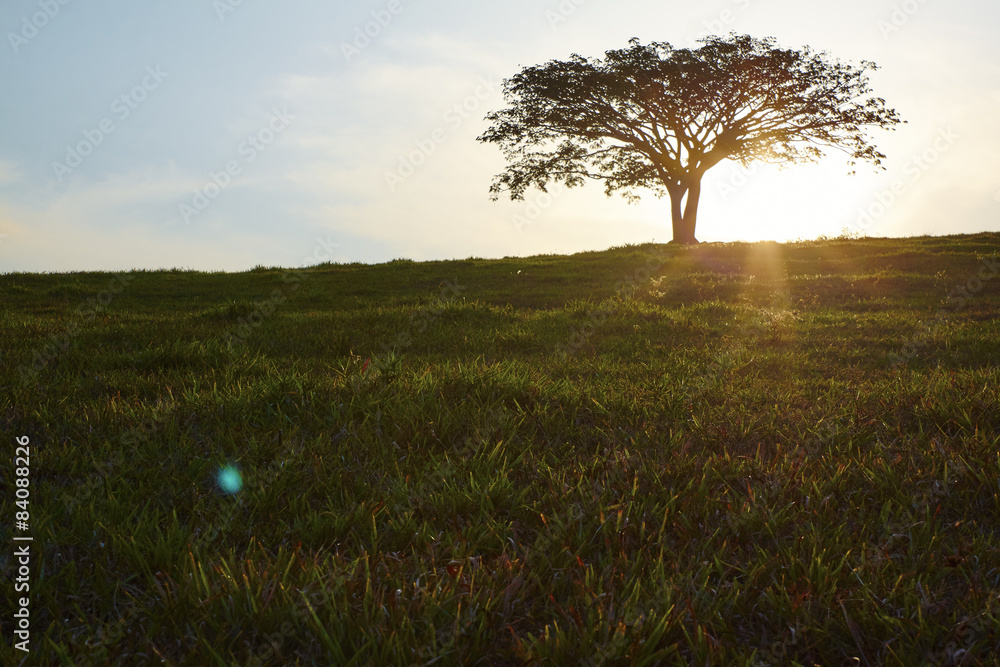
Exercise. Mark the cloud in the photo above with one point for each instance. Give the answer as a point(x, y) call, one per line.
point(9, 173)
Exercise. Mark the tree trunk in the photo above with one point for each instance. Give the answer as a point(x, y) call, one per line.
point(684, 222)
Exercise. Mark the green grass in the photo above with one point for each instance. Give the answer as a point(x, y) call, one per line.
point(733, 454)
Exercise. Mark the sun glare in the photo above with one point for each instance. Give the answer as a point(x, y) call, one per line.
point(766, 203)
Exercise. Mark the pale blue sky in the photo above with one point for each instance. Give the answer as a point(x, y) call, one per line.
point(309, 131)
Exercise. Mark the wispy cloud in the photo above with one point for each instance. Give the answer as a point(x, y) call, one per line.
point(9, 173)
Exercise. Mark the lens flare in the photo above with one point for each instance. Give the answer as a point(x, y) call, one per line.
point(230, 480)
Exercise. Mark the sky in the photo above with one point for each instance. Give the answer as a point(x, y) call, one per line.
point(221, 135)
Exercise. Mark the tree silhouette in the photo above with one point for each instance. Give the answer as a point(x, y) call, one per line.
point(656, 117)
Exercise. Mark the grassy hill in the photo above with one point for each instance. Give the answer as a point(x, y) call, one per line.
point(728, 454)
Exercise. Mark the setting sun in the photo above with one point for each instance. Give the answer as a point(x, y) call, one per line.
point(769, 203)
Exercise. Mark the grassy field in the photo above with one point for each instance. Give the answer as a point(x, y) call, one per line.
point(732, 454)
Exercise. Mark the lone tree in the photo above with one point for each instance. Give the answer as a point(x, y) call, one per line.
point(657, 117)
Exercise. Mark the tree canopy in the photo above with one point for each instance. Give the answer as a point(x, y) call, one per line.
point(655, 117)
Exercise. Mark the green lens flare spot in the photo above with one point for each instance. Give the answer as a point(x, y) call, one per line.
point(230, 480)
